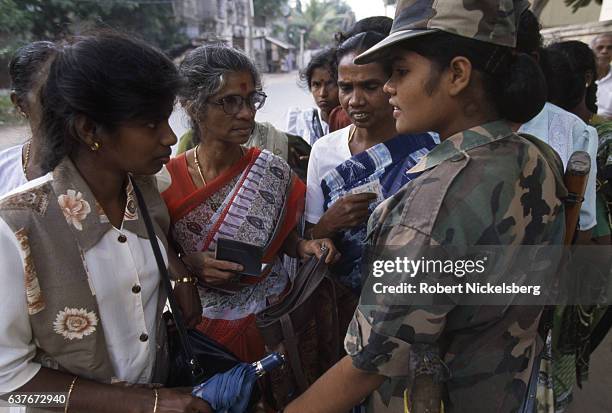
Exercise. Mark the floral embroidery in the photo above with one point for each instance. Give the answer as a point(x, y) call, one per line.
point(131, 211)
point(34, 296)
point(75, 323)
point(74, 207)
point(35, 199)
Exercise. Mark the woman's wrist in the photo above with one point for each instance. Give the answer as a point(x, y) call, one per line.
point(187, 279)
point(299, 248)
point(322, 230)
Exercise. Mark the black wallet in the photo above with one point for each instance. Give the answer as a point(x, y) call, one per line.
point(247, 255)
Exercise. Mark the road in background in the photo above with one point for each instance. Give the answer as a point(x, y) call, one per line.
point(282, 90)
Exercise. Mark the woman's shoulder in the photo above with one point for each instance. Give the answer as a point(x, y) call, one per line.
point(332, 140)
point(269, 157)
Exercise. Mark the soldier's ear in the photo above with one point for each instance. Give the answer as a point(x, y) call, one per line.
point(460, 74)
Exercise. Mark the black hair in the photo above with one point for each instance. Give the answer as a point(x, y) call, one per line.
point(513, 82)
point(26, 61)
point(325, 59)
point(528, 36)
point(378, 24)
point(108, 78)
point(582, 61)
point(358, 43)
point(565, 87)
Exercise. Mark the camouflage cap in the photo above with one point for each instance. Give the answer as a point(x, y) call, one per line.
point(491, 21)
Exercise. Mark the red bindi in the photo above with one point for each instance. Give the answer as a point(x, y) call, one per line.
point(243, 87)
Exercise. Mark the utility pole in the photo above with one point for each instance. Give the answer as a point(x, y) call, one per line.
point(251, 20)
point(302, 32)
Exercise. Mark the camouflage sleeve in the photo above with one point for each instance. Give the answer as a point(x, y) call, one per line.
point(394, 342)
point(388, 334)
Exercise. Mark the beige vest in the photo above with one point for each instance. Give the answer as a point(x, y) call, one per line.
point(55, 224)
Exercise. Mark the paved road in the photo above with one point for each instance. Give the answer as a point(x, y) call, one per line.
point(282, 90)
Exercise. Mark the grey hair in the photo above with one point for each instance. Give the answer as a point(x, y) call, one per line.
point(599, 36)
point(204, 70)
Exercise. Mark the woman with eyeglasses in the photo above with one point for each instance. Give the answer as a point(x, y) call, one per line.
point(222, 190)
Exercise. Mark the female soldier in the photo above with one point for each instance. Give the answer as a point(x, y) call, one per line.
point(454, 73)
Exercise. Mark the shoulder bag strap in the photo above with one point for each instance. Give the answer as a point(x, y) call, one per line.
point(194, 366)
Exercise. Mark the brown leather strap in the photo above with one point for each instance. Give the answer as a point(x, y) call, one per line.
point(309, 276)
point(291, 347)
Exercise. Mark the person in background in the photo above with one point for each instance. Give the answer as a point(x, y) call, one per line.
point(338, 118)
point(354, 169)
point(602, 47)
point(454, 71)
point(570, 350)
point(28, 72)
point(220, 189)
point(81, 300)
point(320, 77)
point(556, 125)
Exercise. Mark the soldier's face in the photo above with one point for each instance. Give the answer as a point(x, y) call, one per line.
point(360, 90)
point(416, 96)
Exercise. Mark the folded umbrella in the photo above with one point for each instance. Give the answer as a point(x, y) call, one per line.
point(230, 391)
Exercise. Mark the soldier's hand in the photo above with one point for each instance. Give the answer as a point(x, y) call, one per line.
point(347, 212)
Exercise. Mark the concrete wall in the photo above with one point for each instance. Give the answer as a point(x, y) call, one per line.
point(582, 32)
point(556, 13)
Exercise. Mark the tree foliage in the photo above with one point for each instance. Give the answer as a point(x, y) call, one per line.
point(578, 4)
point(319, 19)
point(271, 9)
point(152, 21)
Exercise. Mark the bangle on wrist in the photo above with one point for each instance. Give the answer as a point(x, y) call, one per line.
point(70, 388)
point(156, 393)
point(188, 279)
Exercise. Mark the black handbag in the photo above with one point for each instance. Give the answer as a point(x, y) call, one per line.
point(194, 357)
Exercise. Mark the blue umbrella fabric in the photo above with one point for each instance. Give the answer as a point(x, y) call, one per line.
point(230, 391)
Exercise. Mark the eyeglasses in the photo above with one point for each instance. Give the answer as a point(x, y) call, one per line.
point(233, 104)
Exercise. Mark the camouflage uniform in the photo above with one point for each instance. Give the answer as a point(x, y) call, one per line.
point(482, 186)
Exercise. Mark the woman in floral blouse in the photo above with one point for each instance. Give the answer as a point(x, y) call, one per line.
point(80, 300)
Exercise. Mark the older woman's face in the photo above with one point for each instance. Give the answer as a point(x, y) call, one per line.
point(216, 123)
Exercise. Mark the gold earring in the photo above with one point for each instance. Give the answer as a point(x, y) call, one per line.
point(22, 113)
point(95, 146)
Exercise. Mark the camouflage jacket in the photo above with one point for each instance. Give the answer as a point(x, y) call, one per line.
point(486, 185)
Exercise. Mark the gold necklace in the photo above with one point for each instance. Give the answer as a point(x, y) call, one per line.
point(197, 162)
point(26, 158)
point(352, 134)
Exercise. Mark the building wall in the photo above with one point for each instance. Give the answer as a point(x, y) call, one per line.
point(556, 13)
point(583, 32)
point(225, 20)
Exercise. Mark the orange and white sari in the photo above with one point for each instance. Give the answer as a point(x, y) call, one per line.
point(258, 201)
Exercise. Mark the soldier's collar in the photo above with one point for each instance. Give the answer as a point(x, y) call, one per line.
point(455, 146)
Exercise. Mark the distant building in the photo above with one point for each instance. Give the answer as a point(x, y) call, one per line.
point(274, 55)
point(560, 23)
point(216, 20)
